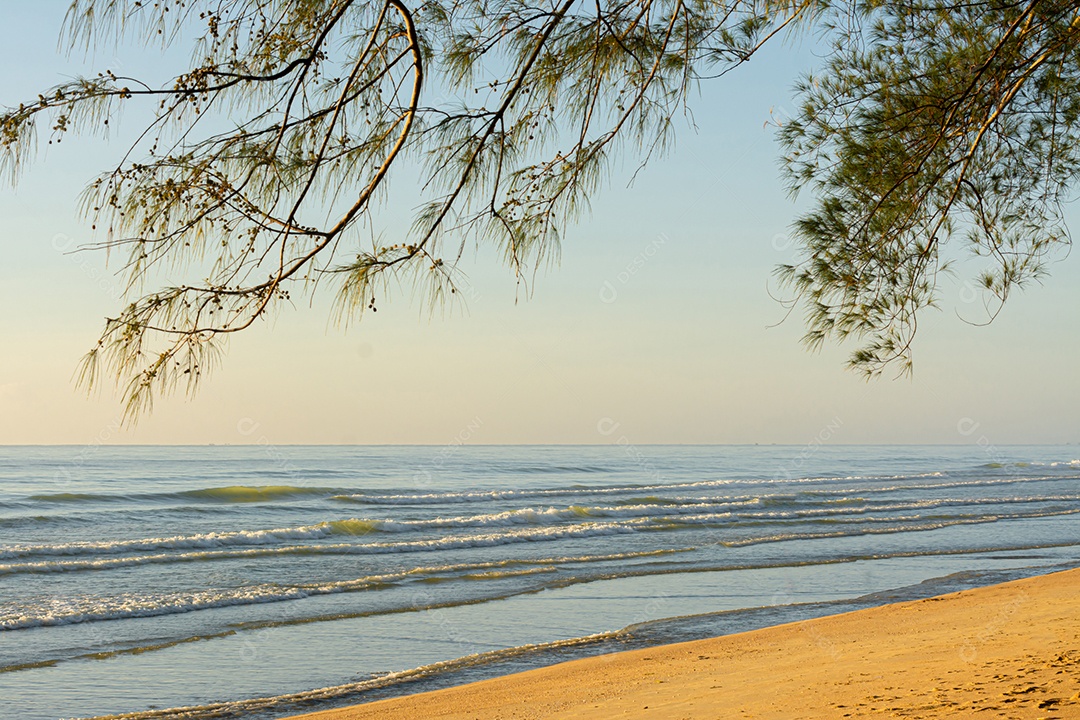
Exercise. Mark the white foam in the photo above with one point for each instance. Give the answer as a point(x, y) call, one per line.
point(533, 523)
point(969, 520)
point(175, 542)
point(349, 527)
point(450, 542)
point(15, 616)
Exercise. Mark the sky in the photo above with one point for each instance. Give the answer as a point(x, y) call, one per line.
point(658, 325)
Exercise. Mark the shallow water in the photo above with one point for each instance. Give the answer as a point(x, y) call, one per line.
point(264, 581)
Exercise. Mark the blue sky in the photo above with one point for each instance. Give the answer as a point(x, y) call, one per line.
point(658, 320)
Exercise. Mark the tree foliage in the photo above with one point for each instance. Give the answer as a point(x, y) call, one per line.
point(262, 168)
point(931, 121)
point(264, 163)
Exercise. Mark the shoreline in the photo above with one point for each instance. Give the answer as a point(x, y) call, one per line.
point(1003, 651)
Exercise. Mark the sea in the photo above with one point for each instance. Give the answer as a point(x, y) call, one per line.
point(264, 581)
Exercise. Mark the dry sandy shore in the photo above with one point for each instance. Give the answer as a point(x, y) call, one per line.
point(1006, 651)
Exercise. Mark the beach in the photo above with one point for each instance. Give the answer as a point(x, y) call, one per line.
point(245, 582)
point(1010, 650)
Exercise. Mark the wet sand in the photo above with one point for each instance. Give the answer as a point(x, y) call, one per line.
point(1005, 651)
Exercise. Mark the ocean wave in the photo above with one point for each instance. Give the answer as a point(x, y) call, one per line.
point(944, 523)
point(226, 494)
point(646, 494)
point(937, 486)
point(549, 469)
point(781, 508)
point(638, 494)
point(109, 654)
point(1023, 464)
point(354, 527)
point(112, 563)
point(702, 511)
point(131, 605)
point(242, 707)
point(533, 516)
point(72, 611)
point(452, 542)
point(88, 609)
point(181, 542)
point(95, 609)
point(257, 493)
point(74, 497)
point(19, 521)
point(855, 506)
point(469, 496)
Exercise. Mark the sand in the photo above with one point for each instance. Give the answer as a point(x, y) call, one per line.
point(1005, 651)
